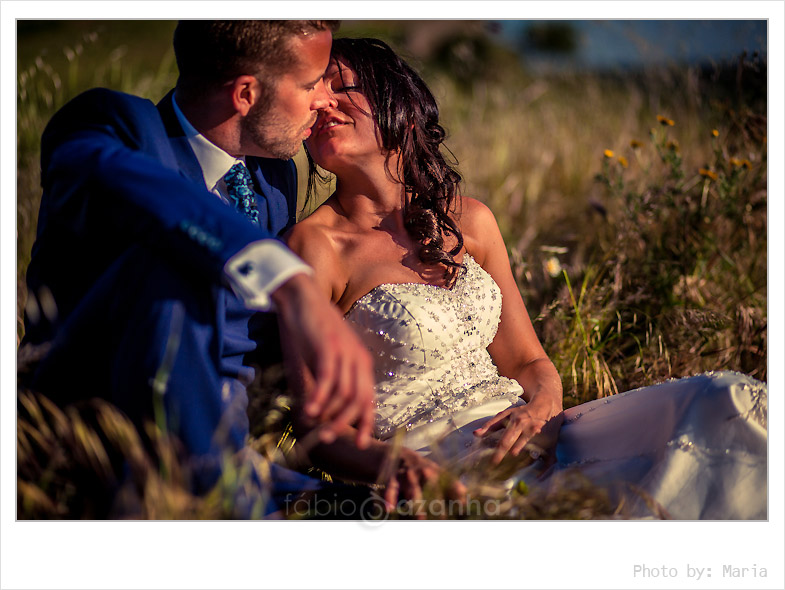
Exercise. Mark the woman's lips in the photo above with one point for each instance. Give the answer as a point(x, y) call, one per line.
point(331, 124)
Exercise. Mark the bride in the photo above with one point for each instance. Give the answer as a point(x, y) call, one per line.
point(423, 275)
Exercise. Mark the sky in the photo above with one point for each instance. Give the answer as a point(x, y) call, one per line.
point(620, 43)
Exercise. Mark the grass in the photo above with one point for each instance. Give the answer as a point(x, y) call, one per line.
point(633, 206)
point(55, 62)
point(634, 209)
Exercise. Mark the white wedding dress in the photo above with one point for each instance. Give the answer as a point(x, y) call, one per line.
point(696, 447)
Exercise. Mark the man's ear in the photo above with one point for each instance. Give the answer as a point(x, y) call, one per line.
point(245, 91)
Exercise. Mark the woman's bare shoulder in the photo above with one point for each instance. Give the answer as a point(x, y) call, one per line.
point(304, 235)
point(478, 226)
point(312, 232)
point(313, 240)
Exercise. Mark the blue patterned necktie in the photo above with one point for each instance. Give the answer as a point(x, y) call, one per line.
point(240, 190)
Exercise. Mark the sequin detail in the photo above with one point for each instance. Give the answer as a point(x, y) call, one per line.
point(430, 347)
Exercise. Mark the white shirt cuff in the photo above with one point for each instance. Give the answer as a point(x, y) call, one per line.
point(259, 269)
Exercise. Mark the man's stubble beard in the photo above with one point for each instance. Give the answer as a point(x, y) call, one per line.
point(267, 130)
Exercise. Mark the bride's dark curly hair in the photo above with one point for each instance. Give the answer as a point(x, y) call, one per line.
point(407, 120)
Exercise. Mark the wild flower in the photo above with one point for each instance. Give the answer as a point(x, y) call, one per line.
point(715, 133)
point(708, 173)
point(553, 266)
point(735, 162)
point(623, 161)
point(746, 164)
point(608, 153)
point(635, 144)
point(664, 121)
point(672, 145)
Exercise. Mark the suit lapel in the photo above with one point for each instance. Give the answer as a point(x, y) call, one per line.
point(273, 210)
point(186, 159)
point(276, 212)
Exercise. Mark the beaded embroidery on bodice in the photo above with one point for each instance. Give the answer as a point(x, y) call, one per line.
point(430, 347)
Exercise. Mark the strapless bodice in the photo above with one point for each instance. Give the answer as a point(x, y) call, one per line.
point(430, 347)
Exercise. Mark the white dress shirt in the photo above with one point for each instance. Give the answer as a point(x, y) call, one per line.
point(261, 267)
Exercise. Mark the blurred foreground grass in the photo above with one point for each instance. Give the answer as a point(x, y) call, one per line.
point(633, 205)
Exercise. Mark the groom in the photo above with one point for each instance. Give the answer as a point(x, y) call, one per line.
point(156, 245)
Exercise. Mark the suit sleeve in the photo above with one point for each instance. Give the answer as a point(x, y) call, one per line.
point(107, 168)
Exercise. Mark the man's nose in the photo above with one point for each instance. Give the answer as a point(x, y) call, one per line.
point(324, 97)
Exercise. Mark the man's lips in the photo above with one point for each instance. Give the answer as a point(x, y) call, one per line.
point(308, 130)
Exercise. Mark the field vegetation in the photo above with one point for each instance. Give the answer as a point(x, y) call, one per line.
point(633, 205)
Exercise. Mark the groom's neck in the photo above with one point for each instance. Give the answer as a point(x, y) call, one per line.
point(211, 116)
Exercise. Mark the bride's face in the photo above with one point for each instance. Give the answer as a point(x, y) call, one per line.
point(343, 135)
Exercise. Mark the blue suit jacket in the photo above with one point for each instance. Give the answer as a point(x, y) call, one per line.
point(116, 172)
point(248, 338)
point(121, 183)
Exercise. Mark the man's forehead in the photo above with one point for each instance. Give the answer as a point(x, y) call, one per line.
point(314, 46)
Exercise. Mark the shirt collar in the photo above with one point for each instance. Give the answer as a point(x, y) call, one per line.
point(214, 162)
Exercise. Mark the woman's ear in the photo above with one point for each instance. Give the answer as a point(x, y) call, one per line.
point(245, 93)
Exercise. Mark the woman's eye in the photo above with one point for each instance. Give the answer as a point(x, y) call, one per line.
point(348, 89)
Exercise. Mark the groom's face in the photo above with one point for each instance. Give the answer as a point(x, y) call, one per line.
point(277, 127)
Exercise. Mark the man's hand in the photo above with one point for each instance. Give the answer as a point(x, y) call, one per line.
point(413, 473)
point(341, 367)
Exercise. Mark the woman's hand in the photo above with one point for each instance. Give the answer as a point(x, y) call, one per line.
point(412, 474)
point(525, 426)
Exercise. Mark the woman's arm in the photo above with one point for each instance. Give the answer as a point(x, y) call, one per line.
point(516, 350)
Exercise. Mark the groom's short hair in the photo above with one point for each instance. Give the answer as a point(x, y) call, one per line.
point(211, 53)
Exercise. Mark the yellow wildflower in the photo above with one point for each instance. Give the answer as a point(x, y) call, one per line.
point(635, 144)
point(608, 153)
point(553, 266)
point(746, 163)
point(715, 133)
point(623, 161)
point(708, 173)
point(665, 121)
point(735, 162)
point(673, 145)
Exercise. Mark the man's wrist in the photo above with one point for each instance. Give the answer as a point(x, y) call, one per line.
point(290, 291)
point(260, 269)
